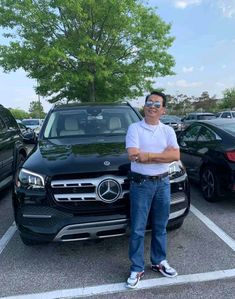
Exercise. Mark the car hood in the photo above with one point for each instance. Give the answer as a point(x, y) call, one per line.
point(52, 158)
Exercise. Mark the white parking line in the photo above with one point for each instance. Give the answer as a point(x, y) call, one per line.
point(120, 287)
point(144, 284)
point(7, 236)
point(212, 226)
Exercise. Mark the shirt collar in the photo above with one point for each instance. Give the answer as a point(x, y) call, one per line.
point(147, 126)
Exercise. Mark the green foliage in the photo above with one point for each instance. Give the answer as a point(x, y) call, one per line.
point(36, 110)
point(19, 113)
point(86, 50)
point(229, 99)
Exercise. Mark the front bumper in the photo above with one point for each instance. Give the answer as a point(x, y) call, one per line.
point(39, 218)
point(49, 224)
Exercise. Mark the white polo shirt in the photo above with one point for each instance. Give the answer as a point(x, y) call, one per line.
point(152, 139)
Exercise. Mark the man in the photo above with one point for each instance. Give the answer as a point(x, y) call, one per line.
point(151, 146)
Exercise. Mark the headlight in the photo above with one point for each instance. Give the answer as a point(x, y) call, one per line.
point(176, 169)
point(30, 180)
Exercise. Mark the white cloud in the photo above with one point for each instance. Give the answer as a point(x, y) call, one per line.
point(227, 7)
point(182, 4)
point(224, 66)
point(187, 69)
point(183, 83)
point(190, 69)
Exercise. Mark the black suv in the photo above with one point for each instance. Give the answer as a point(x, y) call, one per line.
point(74, 184)
point(12, 150)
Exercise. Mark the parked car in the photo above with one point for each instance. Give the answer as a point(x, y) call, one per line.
point(225, 114)
point(195, 116)
point(27, 133)
point(174, 121)
point(208, 153)
point(12, 149)
point(33, 123)
point(74, 184)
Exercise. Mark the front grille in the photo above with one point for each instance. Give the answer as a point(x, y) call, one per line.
point(178, 197)
point(90, 189)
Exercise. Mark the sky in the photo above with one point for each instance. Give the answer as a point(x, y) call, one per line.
point(204, 52)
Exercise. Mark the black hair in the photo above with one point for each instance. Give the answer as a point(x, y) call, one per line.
point(157, 93)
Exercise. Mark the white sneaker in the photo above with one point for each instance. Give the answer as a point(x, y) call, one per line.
point(134, 279)
point(165, 269)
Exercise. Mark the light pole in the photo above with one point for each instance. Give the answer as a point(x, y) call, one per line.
point(39, 106)
point(39, 103)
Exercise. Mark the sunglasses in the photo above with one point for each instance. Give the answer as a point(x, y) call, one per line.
point(156, 104)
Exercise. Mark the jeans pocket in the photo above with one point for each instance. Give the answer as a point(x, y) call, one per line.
point(166, 181)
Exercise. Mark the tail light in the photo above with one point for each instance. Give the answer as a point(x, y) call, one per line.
point(230, 155)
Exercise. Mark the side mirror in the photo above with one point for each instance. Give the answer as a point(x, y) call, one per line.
point(180, 140)
point(30, 138)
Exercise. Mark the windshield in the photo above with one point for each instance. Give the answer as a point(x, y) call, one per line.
point(89, 121)
point(206, 116)
point(31, 122)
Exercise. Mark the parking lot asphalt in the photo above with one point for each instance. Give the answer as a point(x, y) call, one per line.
point(203, 259)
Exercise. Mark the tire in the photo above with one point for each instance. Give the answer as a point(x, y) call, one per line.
point(20, 160)
point(176, 225)
point(209, 184)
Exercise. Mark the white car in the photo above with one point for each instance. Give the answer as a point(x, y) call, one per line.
point(225, 114)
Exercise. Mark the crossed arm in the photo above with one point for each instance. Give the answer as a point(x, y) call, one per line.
point(170, 154)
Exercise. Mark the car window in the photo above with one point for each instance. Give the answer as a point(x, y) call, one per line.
point(191, 134)
point(89, 121)
point(9, 120)
point(2, 124)
point(31, 122)
point(206, 135)
point(205, 116)
point(189, 117)
point(233, 114)
point(226, 115)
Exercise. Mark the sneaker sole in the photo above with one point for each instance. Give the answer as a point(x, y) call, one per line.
point(164, 274)
point(129, 286)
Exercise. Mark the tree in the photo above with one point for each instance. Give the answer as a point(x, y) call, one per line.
point(19, 113)
point(229, 99)
point(205, 96)
point(86, 50)
point(36, 110)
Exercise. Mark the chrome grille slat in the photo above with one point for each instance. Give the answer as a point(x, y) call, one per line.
point(70, 197)
point(73, 194)
point(177, 197)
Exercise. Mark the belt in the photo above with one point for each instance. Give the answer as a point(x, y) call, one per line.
point(135, 175)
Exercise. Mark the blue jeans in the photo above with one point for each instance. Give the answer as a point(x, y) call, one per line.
point(145, 195)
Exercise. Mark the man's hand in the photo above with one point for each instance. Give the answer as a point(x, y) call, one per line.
point(143, 157)
point(133, 154)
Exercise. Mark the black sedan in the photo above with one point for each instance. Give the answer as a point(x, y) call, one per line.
point(208, 153)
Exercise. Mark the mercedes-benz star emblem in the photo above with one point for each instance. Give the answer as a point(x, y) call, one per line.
point(109, 190)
